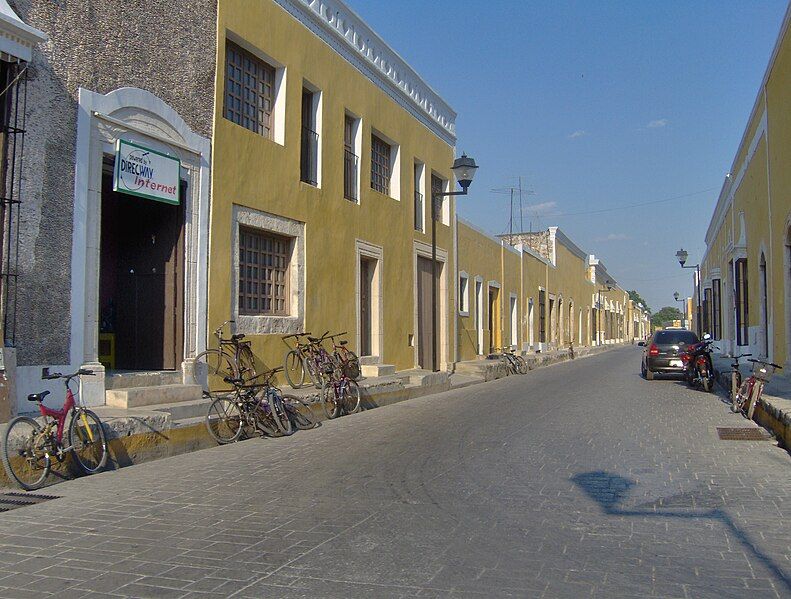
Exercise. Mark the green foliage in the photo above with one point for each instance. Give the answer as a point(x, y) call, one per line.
point(666, 316)
point(635, 297)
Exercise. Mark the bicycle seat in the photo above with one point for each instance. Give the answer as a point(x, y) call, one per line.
point(237, 337)
point(343, 342)
point(313, 339)
point(37, 396)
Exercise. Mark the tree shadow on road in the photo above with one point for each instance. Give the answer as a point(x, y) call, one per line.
point(610, 490)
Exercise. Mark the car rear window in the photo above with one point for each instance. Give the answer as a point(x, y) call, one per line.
point(675, 337)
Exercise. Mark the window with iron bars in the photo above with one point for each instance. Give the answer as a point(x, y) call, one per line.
point(264, 260)
point(249, 90)
point(310, 140)
point(350, 160)
point(380, 165)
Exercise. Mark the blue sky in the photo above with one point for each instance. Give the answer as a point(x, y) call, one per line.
point(597, 105)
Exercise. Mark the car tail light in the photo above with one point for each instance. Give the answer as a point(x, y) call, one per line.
point(686, 357)
point(653, 350)
point(701, 360)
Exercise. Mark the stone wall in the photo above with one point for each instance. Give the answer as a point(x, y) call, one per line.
point(167, 48)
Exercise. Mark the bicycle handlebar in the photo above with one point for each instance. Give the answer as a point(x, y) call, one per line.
point(767, 363)
point(47, 376)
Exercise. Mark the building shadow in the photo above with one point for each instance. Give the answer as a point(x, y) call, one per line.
point(610, 490)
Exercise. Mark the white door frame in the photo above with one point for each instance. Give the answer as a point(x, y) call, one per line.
point(365, 249)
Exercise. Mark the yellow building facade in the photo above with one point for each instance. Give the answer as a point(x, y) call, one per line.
point(319, 217)
point(745, 279)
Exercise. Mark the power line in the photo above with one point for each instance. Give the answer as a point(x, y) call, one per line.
point(638, 204)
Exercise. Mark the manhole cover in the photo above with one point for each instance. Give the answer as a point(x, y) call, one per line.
point(743, 433)
point(12, 501)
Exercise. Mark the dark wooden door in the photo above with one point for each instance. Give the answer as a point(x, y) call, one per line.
point(492, 318)
point(424, 332)
point(142, 280)
point(366, 277)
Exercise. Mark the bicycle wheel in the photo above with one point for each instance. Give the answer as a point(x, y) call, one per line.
point(211, 367)
point(755, 397)
point(330, 400)
point(741, 397)
point(351, 397)
point(521, 365)
point(25, 456)
point(88, 441)
point(313, 372)
point(224, 420)
point(279, 413)
point(294, 369)
point(351, 365)
point(300, 413)
point(245, 368)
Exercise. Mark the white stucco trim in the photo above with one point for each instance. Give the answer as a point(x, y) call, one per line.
point(365, 249)
point(136, 115)
point(464, 297)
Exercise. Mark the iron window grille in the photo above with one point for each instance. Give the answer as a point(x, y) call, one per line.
point(716, 308)
point(542, 316)
point(13, 105)
point(742, 311)
point(263, 273)
point(380, 165)
point(350, 160)
point(418, 211)
point(309, 165)
point(437, 187)
point(249, 90)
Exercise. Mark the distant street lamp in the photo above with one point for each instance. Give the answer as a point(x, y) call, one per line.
point(682, 256)
point(683, 300)
point(463, 170)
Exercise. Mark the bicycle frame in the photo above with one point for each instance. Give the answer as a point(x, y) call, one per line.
point(59, 415)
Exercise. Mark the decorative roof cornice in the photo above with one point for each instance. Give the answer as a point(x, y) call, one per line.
point(17, 38)
point(345, 31)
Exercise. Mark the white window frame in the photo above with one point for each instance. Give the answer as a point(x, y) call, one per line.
point(513, 311)
point(317, 108)
point(395, 164)
point(464, 294)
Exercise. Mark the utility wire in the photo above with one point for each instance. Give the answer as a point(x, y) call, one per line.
point(637, 205)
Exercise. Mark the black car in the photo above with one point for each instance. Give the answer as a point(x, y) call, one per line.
point(661, 353)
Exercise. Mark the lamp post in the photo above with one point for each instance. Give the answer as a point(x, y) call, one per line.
point(607, 287)
point(463, 170)
point(683, 301)
point(682, 256)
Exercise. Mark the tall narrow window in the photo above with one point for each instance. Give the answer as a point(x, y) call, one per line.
point(464, 299)
point(437, 187)
point(716, 309)
point(249, 90)
point(742, 311)
point(542, 316)
point(419, 202)
point(707, 311)
point(380, 165)
point(263, 273)
point(350, 158)
point(310, 138)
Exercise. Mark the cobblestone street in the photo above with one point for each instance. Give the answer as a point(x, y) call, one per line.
point(579, 479)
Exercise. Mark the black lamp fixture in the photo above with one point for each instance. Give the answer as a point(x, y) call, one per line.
point(682, 256)
point(463, 169)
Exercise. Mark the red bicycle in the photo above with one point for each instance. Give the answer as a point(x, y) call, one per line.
point(29, 445)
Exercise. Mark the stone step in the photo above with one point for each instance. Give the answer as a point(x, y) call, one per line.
point(136, 397)
point(425, 378)
point(182, 410)
point(369, 360)
point(371, 370)
point(155, 378)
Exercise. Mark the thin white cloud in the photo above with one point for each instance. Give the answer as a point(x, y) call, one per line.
point(614, 237)
point(657, 123)
point(577, 133)
point(542, 209)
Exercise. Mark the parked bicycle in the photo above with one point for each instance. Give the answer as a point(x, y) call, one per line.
point(736, 375)
point(255, 405)
point(340, 394)
point(298, 364)
point(514, 364)
point(233, 359)
point(344, 357)
point(29, 445)
point(752, 389)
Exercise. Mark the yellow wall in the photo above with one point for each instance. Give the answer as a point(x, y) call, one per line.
point(252, 171)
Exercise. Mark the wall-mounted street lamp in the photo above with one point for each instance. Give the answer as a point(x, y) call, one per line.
point(682, 256)
point(464, 171)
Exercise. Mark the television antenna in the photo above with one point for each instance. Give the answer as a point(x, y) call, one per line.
point(516, 192)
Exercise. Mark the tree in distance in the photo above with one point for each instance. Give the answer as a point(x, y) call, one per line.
point(666, 316)
point(635, 297)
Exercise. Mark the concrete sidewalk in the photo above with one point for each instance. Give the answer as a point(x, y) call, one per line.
point(774, 410)
point(138, 435)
